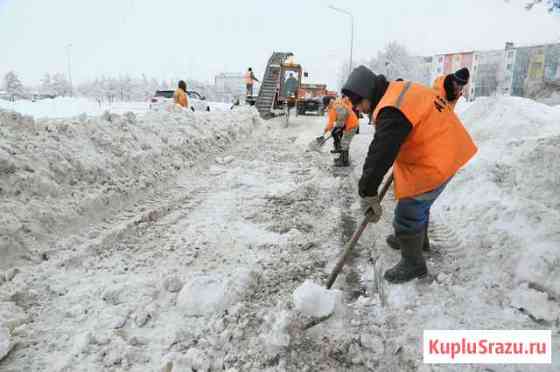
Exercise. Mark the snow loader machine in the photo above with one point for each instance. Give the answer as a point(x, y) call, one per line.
point(280, 87)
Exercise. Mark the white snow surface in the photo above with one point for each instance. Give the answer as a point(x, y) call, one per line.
point(5, 342)
point(180, 241)
point(67, 107)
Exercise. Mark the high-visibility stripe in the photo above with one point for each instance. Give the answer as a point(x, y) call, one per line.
point(401, 96)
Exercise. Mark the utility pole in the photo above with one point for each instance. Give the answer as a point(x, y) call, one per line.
point(348, 13)
point(68, 46)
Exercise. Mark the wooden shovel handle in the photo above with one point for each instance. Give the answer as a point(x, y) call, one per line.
point(355, 237)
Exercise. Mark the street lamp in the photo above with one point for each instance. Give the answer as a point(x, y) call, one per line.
point(348, 13)
point(68, 46)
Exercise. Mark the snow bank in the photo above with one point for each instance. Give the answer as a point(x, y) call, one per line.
point(54, 172)
point(507, 199)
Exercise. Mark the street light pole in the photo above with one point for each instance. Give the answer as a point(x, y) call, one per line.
point(348, 13)
point(69, 67)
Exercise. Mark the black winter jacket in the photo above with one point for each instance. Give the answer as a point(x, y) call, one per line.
point(391, 130)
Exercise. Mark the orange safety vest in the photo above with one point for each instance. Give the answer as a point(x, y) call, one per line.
point(351, 120)
point(440, 89)
point(438, 145)
point(248, 78)
point(180, 98)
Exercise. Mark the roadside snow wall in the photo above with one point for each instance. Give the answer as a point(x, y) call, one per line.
point(57, 172)
point(506, 201)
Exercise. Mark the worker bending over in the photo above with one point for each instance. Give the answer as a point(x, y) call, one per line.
point(418, 134)
point(342, 122)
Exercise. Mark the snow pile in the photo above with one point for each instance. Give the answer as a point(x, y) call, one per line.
point(56, 172)
point(506, 200)
point(314, 300)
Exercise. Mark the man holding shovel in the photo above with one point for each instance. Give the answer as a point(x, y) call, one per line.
point(342, 123)
point(418, 134)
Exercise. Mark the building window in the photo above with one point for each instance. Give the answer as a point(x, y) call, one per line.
point(510, 54)
point(440, 59)
point(509, 66)
point(439, 70)
point(535, 70)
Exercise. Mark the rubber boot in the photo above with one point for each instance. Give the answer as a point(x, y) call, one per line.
point(426, 247)
point(394, 243)
point(412, 264)
point(342, 160)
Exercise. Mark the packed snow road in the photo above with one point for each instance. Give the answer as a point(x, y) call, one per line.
point(196, 267)
point(199, 274)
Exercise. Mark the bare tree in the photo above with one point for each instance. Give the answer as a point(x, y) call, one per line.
point(13, 85)
point(552, 5)
point(60, 85)
point(396, 62)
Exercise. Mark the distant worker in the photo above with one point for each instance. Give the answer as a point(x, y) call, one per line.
point(290, 85)
point(249, 80)
point(451, 86)
point(180, 96)
point(342, 122)
point(419, 135)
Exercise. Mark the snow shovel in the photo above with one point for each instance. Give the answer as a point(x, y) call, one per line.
point(318, 142)
point(355, 237)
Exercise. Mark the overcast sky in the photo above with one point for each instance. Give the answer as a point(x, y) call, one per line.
point(198, 39)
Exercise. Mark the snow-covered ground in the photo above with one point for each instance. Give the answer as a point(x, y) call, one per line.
point(66, 107)
point(173, 241)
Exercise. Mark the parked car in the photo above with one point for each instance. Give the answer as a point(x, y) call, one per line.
point(163, 98)
point(39, 97)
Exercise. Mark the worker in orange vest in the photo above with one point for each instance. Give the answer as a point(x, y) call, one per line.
point(451, 86)
point(180, 96)
point(249, 80)
point(342, 122)
point(418, 134)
